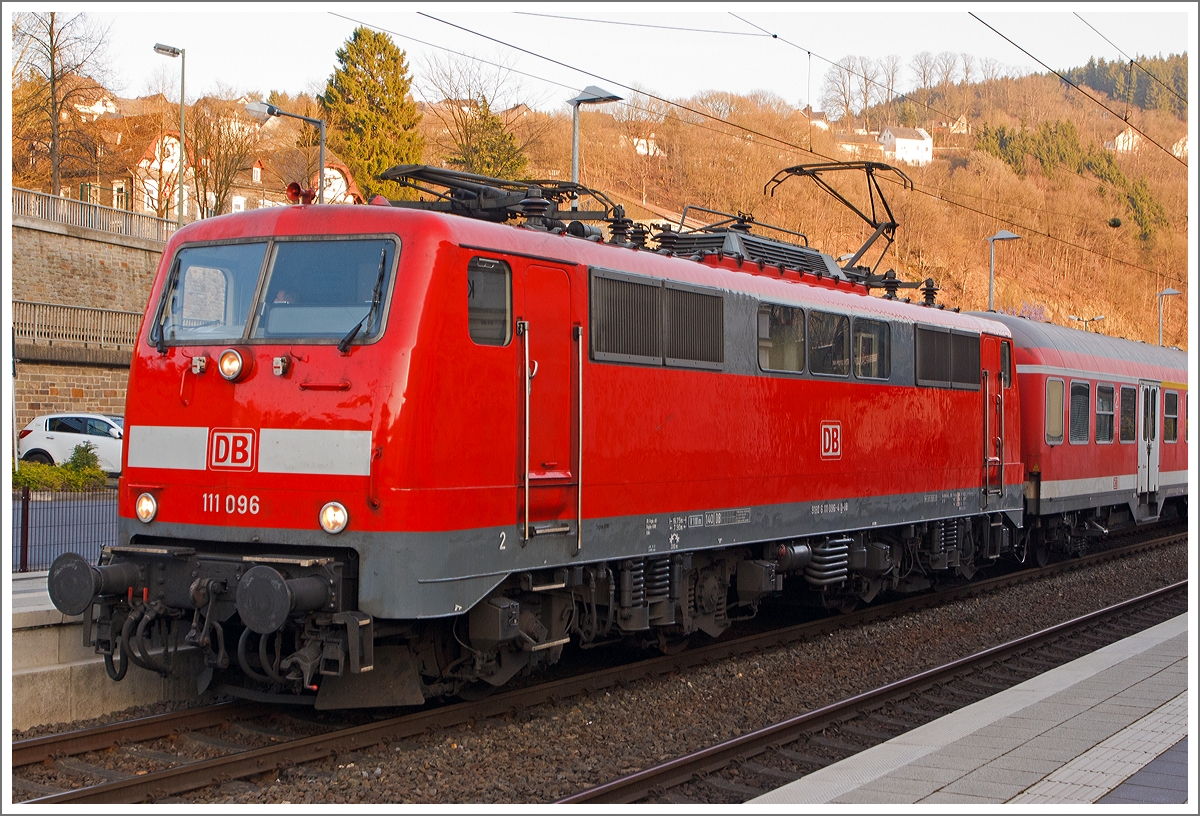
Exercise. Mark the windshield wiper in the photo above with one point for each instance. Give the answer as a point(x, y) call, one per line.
point(376, 297)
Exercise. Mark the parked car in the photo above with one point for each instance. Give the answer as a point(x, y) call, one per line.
point(51, 438)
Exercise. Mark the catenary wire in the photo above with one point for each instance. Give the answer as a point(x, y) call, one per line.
point(642, 25)
point(1131, 59)
point(779, 142)
point(898, 95)
point(1085, 93)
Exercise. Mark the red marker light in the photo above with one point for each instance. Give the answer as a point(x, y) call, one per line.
point(24, 433)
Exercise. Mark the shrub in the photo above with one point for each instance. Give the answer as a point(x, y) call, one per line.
point(83, 457)
point(48, 477)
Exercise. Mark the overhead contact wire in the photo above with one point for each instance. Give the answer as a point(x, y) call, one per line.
point(1132, 126)
point(778, 141)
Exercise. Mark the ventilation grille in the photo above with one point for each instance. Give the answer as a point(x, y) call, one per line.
point(778, 253)
point(626, 320)
point(699, 242)
point(695, 328)
point(947, 359)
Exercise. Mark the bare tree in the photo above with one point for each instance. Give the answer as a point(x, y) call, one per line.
point(486, 126)
point(867, 86)
point(923, 66)
point(640, 123)
point(220, 141)
point(968, 67)
point(991, 68)
point(838, 92)
point(889, 69)
point(62, 57)
point(945, 67)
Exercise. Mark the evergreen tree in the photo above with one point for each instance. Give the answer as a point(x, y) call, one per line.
point(485, 147)
point(371, 113)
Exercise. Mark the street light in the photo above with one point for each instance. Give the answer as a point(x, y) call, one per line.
point(263, 109)
point(1086, 321)
point(1164, 293)
point(1002, 235)
point(172, 51)
point(590, 95)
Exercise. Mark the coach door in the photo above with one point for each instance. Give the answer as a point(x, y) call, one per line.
point(992, 387)
point(549, 503)
point(1148, 437)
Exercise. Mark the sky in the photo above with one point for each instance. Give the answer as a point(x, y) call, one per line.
point(257, 47)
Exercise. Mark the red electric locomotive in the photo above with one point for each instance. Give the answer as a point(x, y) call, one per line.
point(379, 454)
point(1103, 433)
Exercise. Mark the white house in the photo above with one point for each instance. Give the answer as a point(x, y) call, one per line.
point(1127, 141)
point(908, 145)
point(818, 119)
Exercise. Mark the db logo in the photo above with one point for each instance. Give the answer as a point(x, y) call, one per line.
point(831, 440)
point(231, 449)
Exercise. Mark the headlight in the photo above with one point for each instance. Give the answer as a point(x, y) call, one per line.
point(230, 364)
point(334, 517)
point(146, 507)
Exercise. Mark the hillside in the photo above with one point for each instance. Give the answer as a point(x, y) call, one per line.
point(1034, 163)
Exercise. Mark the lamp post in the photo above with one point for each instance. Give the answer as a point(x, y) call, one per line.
point(172, 51)
point(590, 95)
point(1164, 293)
point(1002, 235)
point(264, 109)
point(1086, 321)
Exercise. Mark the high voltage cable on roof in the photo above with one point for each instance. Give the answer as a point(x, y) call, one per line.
point(778, 142)
point(1132, 61)
point(644, 25)
point(1085, 93)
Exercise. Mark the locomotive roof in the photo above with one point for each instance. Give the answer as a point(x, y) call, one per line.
point(725, 273)
point(1054, 345)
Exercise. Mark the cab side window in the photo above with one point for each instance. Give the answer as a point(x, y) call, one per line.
point(489, 302)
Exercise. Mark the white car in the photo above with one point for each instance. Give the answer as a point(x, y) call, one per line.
point(50, 439)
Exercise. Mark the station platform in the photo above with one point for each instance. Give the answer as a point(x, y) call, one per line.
point(1108, 728)
point(56, 679)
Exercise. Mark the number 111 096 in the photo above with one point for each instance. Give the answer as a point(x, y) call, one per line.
point(230, 503)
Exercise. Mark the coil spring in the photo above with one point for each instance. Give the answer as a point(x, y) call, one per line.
point(658, 580)
point(633, 583)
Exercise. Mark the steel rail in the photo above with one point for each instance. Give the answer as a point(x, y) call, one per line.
point(707, 760)
point(97, 738)
point(169, 781)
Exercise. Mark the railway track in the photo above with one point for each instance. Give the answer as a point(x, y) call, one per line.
point(752, 764)
point(244, 748)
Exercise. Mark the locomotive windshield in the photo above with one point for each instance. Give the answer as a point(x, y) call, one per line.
point(321, 291)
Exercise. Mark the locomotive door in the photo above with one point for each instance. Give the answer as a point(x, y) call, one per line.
point(549, 499)
point(992, 386)
point(1148, 437)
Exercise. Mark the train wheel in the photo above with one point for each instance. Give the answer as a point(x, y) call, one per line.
point(670, 645)
point(1041, 551)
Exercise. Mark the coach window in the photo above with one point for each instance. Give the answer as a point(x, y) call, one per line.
point(1104, 413)
point(872, 349)
point(1128, 414)
point(1170, 416)
point(829, 344)
point(1081, 412)
point(1006, 364)
point(780, 338)
point(1054, 412)
point(489, 301)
